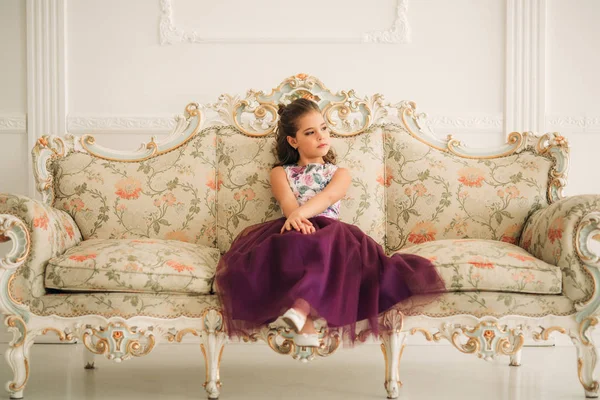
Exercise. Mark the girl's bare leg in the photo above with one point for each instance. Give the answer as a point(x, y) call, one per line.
point(302, 306)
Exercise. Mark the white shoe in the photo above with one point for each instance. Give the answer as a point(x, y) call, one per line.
point(294, 319)
point(306, 340)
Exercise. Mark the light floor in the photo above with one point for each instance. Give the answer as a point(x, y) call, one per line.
point(255, 372)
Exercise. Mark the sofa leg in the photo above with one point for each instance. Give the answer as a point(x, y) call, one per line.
point(586, 356)
point(17, 355)
point(212, 344)
point(88, 359)
point(392, 348)
point(515, 359)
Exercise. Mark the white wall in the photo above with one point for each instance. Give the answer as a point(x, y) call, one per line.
point(454, 67)
point(13, 97)
point(13, 105)
point(573, 85)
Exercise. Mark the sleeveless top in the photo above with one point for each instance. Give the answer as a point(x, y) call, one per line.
point(308, 180)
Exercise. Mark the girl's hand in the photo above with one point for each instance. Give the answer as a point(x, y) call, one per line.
point(308, 229)
point(297, 222)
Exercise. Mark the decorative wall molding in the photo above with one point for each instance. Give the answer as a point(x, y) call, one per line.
point(81, 124)
point(525, 99)
point(398, 33)
point(474, 122)
point(573, 123)
point(46, 72)
point(163, 124)
point(13, 123)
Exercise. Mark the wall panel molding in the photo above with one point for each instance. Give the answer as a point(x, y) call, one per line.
point(13, 123)
point(81, 124)
point(46, 72)
point(170, 33)
point(525, 94)
point(581, 123)
point(161, 124)
point(461, 123)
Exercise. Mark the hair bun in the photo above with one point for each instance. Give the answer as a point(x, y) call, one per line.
point(280, 108)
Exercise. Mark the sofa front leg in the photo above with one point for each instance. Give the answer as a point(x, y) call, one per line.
point(17, 355)
point(88, 359)
point(212, 347)
point(515, 359)
point(392, 348)
point(586, 356)
point(212, 344)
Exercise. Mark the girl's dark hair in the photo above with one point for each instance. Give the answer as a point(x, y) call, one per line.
point(288, 115)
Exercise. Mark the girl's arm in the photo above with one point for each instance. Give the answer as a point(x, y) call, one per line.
point(334, 191)
point(282, 191)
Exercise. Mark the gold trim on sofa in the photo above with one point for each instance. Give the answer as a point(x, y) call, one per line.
point(192, 110)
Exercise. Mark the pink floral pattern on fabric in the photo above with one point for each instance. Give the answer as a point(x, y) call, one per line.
point(138, 265)
point(52, 232)
point(436, 195)
point(307, 181)
point(474, 265)
point(404, 194)
point(170, 197)
point(549, 236)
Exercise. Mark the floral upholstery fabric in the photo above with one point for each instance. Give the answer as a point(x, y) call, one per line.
point(364, 203)
point(125, 305)
point(549, 235)
point(493, 304)
point(489, 265)
point(244, 189)
point(51, 232)
point(171, 196)
point(429, 196)
point(134, 265)
point(434, 195)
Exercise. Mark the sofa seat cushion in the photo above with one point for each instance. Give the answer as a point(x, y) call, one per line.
point(488, 304)
point(168, 306)
point(134, 265)
point(489, 265)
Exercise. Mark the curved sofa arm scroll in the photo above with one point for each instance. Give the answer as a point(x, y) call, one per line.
point(567, 234)
point(38, 232)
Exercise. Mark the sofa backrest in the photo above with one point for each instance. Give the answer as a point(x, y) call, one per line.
point(435, 194)
point(165, 193)
point(209, 179)
point(245, 198)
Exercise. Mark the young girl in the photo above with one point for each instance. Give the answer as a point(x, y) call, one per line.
point(308, 264)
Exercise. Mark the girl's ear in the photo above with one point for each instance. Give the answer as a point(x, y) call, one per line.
point(292, 141)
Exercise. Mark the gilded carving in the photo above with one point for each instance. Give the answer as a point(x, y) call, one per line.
point(118, 341)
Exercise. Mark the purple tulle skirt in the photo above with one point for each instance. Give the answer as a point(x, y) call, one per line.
point(343, 274)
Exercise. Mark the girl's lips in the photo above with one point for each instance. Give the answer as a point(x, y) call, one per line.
point(322, 145)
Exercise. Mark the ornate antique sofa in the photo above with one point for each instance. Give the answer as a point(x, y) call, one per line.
point(121, 252)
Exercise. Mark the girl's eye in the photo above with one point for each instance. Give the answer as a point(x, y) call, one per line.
point(324, 128)
point(309, 132)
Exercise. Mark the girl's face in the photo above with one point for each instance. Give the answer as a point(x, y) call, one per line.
point(312, 138)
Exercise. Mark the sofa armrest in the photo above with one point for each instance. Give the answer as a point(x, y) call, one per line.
point(38, 232)
point(563, 234)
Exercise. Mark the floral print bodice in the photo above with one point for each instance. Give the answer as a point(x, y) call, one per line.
point(308, 180)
